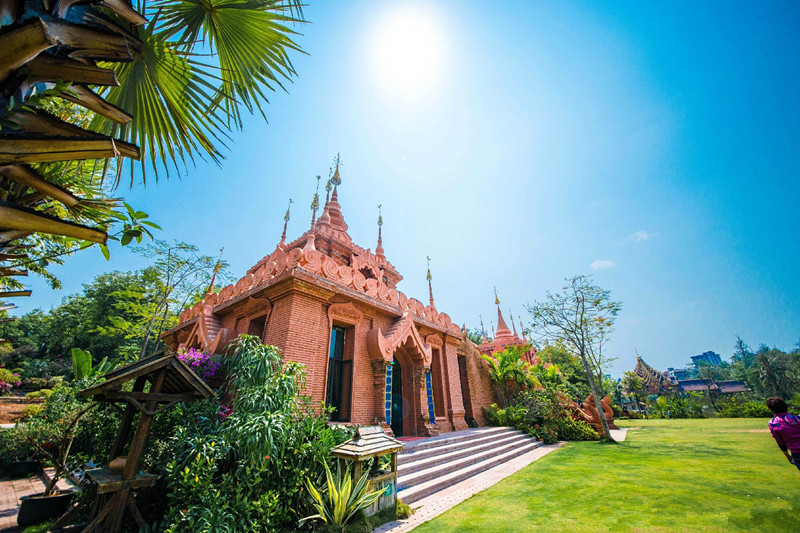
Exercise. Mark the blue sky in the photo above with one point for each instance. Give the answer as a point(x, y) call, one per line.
point(653, 145)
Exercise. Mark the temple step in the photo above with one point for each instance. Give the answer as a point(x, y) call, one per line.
point(421, 459)
point(445, 462)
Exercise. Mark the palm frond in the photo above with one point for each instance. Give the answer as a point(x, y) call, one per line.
point(167, 91)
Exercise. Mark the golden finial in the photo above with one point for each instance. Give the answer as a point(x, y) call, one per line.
point(430, 286)
point(483, 330)
point(315, 203)
point(380, 216)
point(328, 188)
point(286, 221)
point(379, 248)
point(336, 179)
point(496, 299)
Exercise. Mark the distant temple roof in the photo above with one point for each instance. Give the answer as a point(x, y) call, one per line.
point(654, 380)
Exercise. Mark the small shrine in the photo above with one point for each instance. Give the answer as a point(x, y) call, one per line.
point(364, 451)
point(159, 382)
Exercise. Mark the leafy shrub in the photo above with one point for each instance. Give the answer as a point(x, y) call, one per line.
point(34, 384)
point(403, 510)
point(8, 380)
point(735, 408)
point(246, 472)
point(41, 393)
point(510, 416)
point(7, 376)
point(568, 428)
point(30, 411)
point(544, 433)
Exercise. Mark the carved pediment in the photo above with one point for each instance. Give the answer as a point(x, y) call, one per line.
point(345, 312)
point(403, 332)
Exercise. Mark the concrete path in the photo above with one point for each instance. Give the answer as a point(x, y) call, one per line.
point(439, 502)
point(10, 493)
point(619, 434)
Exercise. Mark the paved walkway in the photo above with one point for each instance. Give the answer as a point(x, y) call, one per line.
point(444, 500)
point(10, 493)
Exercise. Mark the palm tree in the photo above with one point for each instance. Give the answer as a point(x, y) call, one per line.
point(84, 85)
point(508, 372)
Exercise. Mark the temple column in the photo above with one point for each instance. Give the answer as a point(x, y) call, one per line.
point(426, 425)
point(456, 412)
point(382, 393)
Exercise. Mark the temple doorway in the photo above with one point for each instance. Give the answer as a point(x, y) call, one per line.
point(397, 398)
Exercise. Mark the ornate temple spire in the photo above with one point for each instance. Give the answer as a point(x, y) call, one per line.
point(285, 223)
point(430, 286)
point(315, 204)
point(494, 335)
point(483, 331)
point(379, 248)
point(514, 326)
point(502, 327)
point(332, 214)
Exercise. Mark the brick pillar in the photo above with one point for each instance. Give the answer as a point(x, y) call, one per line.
point(456, 411)
point(425, 426)
point(382, 392)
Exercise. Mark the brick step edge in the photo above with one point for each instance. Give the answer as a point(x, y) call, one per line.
point(445, 468)
point(468, 434)
point(477, 439)
point(412, 494)
point(410, 467)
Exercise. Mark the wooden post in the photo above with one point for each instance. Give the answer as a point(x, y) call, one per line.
point(125, 424)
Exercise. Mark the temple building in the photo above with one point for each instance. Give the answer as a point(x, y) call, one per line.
point(656, 382)
point(372, 353)
point(504, 338)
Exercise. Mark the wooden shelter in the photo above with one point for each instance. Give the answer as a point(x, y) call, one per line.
point(370, 442)
point(159, 382)
point(55, 46)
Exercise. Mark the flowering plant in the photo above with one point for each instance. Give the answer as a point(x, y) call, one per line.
point(203, 364)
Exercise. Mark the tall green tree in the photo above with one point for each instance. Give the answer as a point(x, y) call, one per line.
point(580, 317)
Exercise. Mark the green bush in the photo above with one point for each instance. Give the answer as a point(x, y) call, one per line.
point(31, 410)
point(735, 408)
point(7, 376)
point(41, 393)
point(510, 416)
point(570, 429)
point(34, 384)
point(247, 471)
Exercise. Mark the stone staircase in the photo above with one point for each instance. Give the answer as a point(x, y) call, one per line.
point(430, 465)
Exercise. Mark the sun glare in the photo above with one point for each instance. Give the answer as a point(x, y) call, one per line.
point(408, 52)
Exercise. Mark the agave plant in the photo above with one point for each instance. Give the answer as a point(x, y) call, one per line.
point(341, 500)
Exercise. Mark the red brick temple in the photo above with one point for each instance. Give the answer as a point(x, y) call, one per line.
point(371, 352)
point(504, 338)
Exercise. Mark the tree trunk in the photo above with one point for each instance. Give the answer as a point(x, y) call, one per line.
point(596, 391)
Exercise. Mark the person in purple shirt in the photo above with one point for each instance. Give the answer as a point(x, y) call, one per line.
point(785, 429)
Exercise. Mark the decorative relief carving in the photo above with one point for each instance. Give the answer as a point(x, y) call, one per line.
point(345, 312)
point(435, 341)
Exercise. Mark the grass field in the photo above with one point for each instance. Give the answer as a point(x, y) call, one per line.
point(669, 475)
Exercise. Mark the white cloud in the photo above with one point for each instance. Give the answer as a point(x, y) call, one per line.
point(601, 263)
point(640, 236)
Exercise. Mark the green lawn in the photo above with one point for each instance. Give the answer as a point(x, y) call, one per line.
point(670, 475)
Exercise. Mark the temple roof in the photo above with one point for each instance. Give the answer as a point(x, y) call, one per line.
point(652, 377)
point(324, 252)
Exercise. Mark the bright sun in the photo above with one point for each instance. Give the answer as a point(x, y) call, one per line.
point(408, 52)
